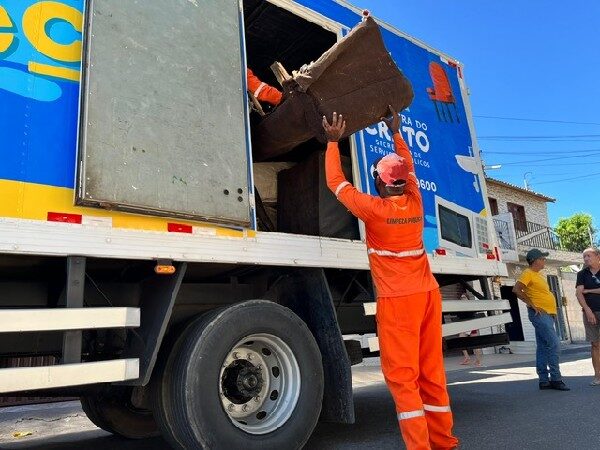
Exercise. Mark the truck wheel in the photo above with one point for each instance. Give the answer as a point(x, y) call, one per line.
point(162, 376)
point(113, 412)
point(248, 376)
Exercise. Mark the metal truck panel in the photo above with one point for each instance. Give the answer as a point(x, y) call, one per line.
point(61, 319)
point(163, 128)
point(34, 237)
point(464, 326)
point(48, 377)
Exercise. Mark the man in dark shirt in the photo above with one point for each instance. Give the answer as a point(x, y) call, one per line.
point(588, 294)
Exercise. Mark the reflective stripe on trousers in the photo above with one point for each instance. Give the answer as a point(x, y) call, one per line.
point(411, 414)
point(440, 409)
point(421, 412)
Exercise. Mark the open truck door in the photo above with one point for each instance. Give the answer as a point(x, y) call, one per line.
point(163, 128)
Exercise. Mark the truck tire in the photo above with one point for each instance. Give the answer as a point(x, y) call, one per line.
point(113, 412)
point(247, 376)
point(162, 376)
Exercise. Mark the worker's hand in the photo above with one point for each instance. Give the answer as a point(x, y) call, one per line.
point(590, 316)
point(336, 130)
point(393, 122)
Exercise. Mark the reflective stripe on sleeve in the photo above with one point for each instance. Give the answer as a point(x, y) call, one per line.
point(433, 408)
point(411, 414)
point(259, 89)
point(340, 187)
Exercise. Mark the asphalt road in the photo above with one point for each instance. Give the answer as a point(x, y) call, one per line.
point(496, 407)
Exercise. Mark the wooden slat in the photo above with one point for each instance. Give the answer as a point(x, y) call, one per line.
point(475, 305)
point(450, 329)
point(456, 306)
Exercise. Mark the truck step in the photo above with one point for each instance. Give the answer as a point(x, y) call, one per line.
point(61, 319)
point(449, 329)
point(48, 377)
point(449, 306)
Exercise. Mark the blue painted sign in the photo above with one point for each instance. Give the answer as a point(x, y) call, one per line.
point(435, 127)
point(40, 59)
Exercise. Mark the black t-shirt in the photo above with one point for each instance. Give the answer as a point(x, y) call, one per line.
point(588, 280)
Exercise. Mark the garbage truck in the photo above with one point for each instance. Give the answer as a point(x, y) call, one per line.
point(155, 267)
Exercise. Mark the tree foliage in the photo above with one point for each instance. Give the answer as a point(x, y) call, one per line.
point(574, 232)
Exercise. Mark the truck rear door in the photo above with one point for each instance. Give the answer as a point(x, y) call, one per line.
point(163, 124)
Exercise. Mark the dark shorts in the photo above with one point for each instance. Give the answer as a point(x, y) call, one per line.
point(592, 332)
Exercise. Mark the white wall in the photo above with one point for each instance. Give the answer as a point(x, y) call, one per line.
point(514, 272)
point(536, 209)
point(573, 309)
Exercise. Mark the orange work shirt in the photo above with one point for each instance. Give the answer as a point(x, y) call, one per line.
point(394, 228)
point(262, 91)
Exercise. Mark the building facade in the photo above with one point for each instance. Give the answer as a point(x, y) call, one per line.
point(522, 223)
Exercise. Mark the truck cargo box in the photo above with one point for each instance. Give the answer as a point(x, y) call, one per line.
point(318, 213)
point(141, 126)
point(357, 75)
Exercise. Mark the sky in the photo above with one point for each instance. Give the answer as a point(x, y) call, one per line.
point(534, 60)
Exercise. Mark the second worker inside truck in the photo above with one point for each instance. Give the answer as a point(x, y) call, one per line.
point(409, 304)
point(262, 91)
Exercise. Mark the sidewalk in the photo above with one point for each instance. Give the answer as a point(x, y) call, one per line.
point(369, 372)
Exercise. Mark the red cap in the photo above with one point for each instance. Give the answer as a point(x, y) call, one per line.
point(392, 168)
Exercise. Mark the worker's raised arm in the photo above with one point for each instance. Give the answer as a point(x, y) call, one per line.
point(359, 204)
point(262, 91)
point(402, 150)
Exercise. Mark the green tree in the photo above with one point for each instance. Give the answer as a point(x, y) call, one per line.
point(574, 232)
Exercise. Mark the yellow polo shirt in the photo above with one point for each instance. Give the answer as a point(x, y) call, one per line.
point(537, 289)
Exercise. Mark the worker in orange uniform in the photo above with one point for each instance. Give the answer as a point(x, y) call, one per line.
point(409, 304)
point(262, 91)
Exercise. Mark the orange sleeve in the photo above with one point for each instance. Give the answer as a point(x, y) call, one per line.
point(412, 184)
point(262, 91)
point(363, 206)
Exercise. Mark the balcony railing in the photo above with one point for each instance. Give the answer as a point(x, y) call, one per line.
point(536, 235)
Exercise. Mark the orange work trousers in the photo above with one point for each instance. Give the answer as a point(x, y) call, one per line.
point(410, 344)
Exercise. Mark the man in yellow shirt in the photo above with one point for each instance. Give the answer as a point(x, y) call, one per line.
point(532, 288)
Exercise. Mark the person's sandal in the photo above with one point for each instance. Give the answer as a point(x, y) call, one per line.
point(465, 362)
point(596, 382)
